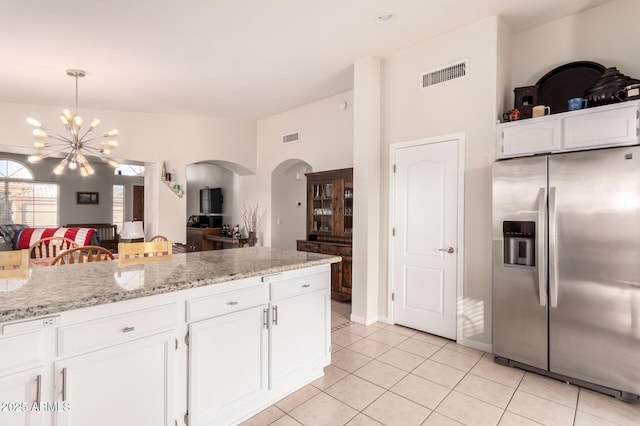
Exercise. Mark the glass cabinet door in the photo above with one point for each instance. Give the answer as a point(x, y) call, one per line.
point(348, 207)
point(322, 207)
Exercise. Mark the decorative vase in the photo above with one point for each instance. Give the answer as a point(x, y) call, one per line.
point(251, 240)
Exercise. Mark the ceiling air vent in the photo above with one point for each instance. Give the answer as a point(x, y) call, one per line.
point(447, 73)
point(291, 137)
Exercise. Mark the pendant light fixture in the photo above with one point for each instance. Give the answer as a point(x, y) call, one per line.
point(79, 142)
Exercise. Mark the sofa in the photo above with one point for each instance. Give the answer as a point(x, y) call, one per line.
point(95, 234)
point(18, 236)
point(9, 232)
point(82, 236)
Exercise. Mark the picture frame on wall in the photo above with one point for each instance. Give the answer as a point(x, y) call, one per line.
point(87, 197)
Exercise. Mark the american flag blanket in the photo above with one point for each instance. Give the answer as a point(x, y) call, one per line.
point(28, 236)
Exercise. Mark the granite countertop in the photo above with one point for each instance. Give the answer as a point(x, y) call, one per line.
point(54, 289)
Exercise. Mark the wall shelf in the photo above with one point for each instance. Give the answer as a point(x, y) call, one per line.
point(179, 193)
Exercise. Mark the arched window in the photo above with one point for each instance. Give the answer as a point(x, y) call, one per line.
point(24, 201)
point(13, 170)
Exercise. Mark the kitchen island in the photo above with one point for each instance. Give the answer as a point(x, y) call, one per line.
point(208, 338)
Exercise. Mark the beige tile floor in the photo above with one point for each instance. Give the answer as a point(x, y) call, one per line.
point(391, 375)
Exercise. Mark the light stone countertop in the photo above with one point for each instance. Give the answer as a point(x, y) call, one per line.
point(54, 289)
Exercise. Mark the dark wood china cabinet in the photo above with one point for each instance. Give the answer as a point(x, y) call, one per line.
point(330, 224)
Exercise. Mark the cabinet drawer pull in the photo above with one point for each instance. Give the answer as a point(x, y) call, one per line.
point(232, 303)
point(64, 384)
point(128, 329)
point(275, 315)
point(265, 316)
point(306, 285)
point(38, 389)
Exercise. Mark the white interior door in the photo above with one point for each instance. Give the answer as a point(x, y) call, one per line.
point(424, 248)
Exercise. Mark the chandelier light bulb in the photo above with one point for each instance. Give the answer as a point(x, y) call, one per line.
point(83, 172)
point(111, 143)
point(95, 123)
point(34, 122)
point(58, 170)
point(105, 151)
point(39, 133)
point(67, 115)
point(113, 164)
point(73, 165)
point(112, 133)
point(64, 120)
point(40, 145)
point(90, 169)
point(35, 158)
point(78, 121)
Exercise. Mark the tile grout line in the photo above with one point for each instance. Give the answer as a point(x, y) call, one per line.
point(453, 389)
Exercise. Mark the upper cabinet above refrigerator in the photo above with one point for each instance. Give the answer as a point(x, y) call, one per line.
point(599, 127)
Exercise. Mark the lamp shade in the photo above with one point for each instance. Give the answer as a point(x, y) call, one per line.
point(132, 230)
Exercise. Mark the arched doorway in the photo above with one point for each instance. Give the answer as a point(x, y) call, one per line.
point(288, 203)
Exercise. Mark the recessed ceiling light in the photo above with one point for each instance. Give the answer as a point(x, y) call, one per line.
point(385, 19)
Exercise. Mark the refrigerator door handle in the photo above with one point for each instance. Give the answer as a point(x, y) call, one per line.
point(542, 272)
point(553, 253)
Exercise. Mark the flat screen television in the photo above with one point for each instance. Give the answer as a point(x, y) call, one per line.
point(211, 200)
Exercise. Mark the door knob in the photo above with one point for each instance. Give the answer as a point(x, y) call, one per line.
point(448, 249)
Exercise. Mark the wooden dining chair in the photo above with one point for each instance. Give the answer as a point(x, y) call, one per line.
point(50, 247)
point(14, 264)
point(138, 253)
point(158, 238)
point(82, 254)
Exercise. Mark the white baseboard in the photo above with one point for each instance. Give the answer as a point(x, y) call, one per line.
point(365, 321)
point(385, 320)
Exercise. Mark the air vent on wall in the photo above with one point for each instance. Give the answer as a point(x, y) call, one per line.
point(291, 137)
point(447, 73)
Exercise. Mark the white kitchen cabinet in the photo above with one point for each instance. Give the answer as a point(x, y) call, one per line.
point(228, 365)
point(612, 126)
point(599, 127)
point(299, 336)
point(127, 384)
point(19, 394)
point(531, 136)
point(276, 341)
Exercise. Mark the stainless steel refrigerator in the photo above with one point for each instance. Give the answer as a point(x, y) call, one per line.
point(566, 267)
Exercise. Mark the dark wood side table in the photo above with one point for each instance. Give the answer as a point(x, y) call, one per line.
point(240, 242)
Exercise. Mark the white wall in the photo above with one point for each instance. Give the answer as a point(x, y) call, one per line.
point(326, 143)
point(466, 105)
point(289, 204)
point(151, 138)
point(607, 34)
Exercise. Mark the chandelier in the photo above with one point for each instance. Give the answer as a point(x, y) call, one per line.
point(79, 141)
